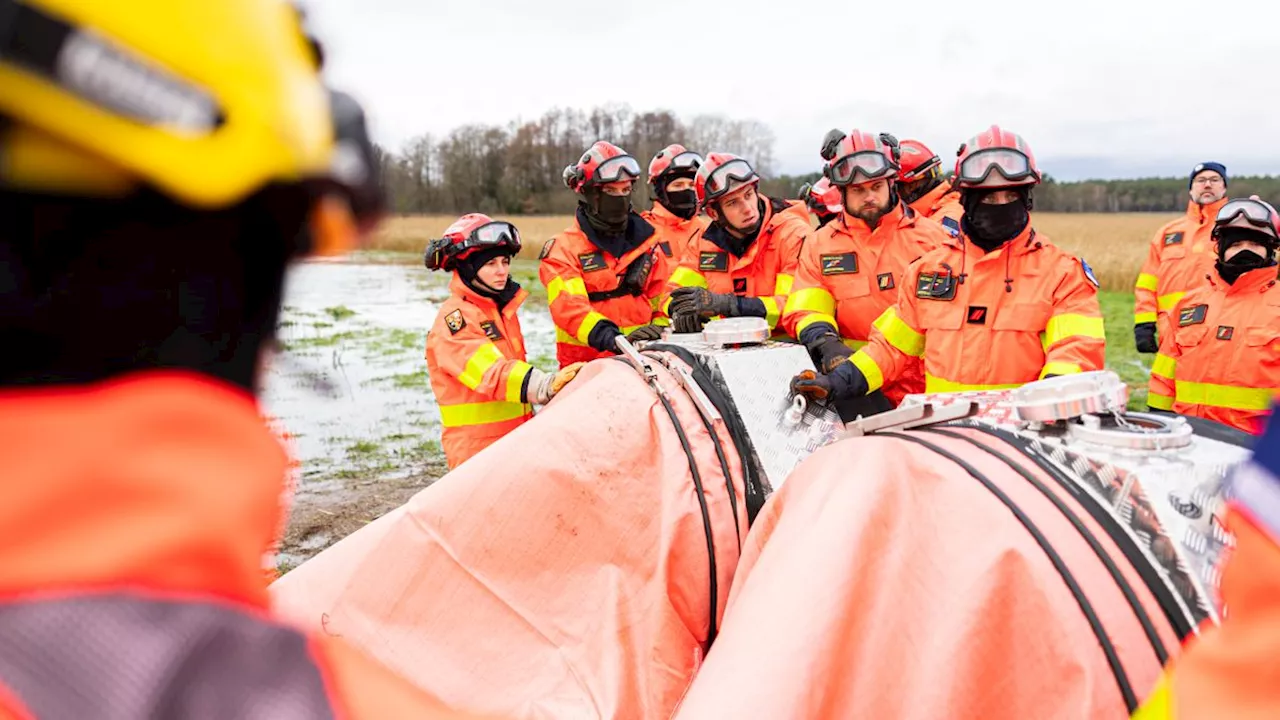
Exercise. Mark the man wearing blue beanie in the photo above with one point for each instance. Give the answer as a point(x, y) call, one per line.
point(1181, 254)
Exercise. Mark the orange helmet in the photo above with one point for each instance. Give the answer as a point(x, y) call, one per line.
point(1250, 214)
point(469, 234)
point(917, 161)
point(822, 197)
point(673, 158)
point(601, 164)
point(995, 158)
point(720, 174)
point(861, 153)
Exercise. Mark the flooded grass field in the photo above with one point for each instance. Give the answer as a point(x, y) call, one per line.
point(348, 389)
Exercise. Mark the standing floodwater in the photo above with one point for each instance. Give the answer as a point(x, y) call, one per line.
point(349, 386)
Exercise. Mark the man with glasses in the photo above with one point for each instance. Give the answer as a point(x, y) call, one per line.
point(851, 270)
point(1180, 255)
point(605, 273)
point(996, 307)
point(745, 261)
point(675, 204)
point(1220, 351)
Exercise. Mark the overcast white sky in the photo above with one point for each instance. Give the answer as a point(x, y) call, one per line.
point(1116, 88)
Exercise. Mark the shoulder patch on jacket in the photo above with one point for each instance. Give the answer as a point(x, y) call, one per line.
point(491, 330)
point(1088, 273)
point(592, 261)
point(1193, 315)
point(842, 264)
point(455, 322)
point(1173, 238)
point(713, 261)
point(546, 248)
point(936, 286)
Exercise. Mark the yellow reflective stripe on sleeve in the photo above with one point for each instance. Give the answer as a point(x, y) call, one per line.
point(771, 313)
point(1160, 402)
point(1060, 368)
point(482, 413)
point(573, 286)
point(684, 277)
point(854, 344)
point(1224, 396)
point(1158, 706)
point(1166, 302)
point(870, 370)
point(589, 323)
point(515, 380)
point(1145, 317)
point(1164, 366)
point(899, 334)
point(933, 384)
point(814, 300)
point(1061, 327)
point(662, 322)
point(783, 284)
point(813, 318)
point(1147, 281)
point(478, 364)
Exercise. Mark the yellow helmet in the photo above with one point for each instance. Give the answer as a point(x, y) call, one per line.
point(205, 100)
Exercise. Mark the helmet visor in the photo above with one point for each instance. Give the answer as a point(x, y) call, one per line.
point(1011, 165)
point(688, 159)
point(617, 169)
point(729, 176)
point(1247, 213)
point(869, 164)
point(494, 234)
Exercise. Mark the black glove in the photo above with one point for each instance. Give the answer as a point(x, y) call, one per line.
point(828, 351)
point(1144, 337)
point(702, 303)
point(829, 143)
point(846, 380)
point(686, 323)
point(645, 332)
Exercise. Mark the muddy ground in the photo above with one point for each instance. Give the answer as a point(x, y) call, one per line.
point(349, 394)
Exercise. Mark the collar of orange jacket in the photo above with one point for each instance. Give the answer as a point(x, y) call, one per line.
point(856, 227)
point(1201, 214)
point(464, 291)
point(1257, 280)
point(168, 482)
point(1025, 242)
point(933, 199)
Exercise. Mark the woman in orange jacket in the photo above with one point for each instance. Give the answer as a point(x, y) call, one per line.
point(475, 350)
point(1221, 357)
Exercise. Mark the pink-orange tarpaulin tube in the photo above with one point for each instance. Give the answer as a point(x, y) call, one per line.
point(563, 572)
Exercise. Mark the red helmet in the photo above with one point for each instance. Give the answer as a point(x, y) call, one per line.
point(1252, 214)
point(720, 174)
point(601, 164)
point(468, 234)
point(822, 197)
point(861, 153)
point(917, 161)
point(995, 158)
point(673, 158)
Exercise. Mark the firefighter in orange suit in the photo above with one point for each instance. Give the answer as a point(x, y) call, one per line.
point(850, 271)
point(475, 350)
point(823, 200)
point(606, 273)
point(1179, 257)
point(674, 215)
point(746, 259)
point(1220, 357)
point(994, 308)
point(149, 219)
point(923, 188)
point(1230, 670)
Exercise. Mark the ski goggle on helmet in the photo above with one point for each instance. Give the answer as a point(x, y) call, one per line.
point(996, 158)
point(1251, 214)
point(467, 235)
point(721, 174)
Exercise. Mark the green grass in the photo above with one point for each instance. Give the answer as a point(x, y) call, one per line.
point(1122, 358)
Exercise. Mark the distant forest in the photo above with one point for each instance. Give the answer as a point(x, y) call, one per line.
point(515, 169)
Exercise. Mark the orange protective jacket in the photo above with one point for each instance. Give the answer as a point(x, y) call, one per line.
point(577, 264)
point(133, 524)
point(849, 275)
point(765, 271)
point(1220, 358)
point(941, 204)
point(1180, 255)
point(989, 321)
point(676, 236)
point(476, 364)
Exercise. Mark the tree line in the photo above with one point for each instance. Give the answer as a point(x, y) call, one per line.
point(515, 169)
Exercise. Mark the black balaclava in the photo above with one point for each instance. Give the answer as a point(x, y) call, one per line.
point(682, 203)
point(913, 191)
point(607, 214)
point(1245, 260)
point(990, 226)
point(469, 269)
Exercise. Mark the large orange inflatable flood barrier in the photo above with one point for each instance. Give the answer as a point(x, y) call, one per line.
point(663, 539)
